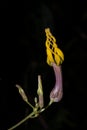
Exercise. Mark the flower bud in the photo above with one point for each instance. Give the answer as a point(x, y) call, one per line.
point(22, 93)
point(40, 92)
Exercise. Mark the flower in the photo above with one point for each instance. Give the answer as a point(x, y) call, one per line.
point(55, 57)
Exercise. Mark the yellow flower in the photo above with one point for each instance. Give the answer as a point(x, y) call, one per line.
point(54, 54)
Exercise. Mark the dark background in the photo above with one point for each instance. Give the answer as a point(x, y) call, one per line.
point(23, 57)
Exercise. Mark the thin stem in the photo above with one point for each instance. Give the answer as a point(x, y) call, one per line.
point(43, 109)
point(30, 115)
point(22, 121)
point(49, 104)
point(30, 105)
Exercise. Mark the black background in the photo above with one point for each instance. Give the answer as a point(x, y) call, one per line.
point(23, 57)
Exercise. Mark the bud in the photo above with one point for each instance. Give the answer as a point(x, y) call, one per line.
point(22, 93)
point(40, 92)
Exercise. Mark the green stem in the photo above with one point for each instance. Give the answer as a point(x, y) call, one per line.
point(22, 121)
point(30, 105)
point(43, 109)
point(49, 104)
point(30, 115)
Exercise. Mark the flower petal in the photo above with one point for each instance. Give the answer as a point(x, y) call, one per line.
point(57, 92)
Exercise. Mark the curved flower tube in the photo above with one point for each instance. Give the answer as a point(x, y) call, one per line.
point(57, 92)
